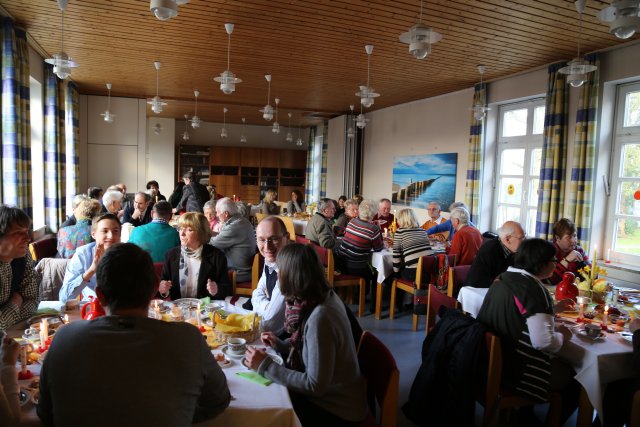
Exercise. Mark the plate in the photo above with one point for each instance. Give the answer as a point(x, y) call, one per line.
point(228, 353)
point(583, 334)
point(627, 336)
point(275, 357)
point(187, 302)
point(224, 363)
point(24, 396)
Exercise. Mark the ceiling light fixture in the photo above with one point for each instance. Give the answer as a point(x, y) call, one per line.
point(157, 128)
point(195, 120)
point(62, 63)
point(276, 126)
point(361, 120)
point(623, 17)
point(420, 37)
point(367, 93)
point(351, 132)
point(299, 140)
point(109, 117)
point(480, 108)
point(166, 9)
point(289, 137)
point(156, 102)
point(185, 134)
point(267, 111)
point(223, 132)
point(227, 79)
point(577, 69)
point(242, 137)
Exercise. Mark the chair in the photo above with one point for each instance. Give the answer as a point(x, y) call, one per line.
point(435, 300)
point(247, 288)
point(288, 222)
point(457, 278)
point(381, 372)
point(45, 247)
point(301, 239)
point(495, 398)
point(343, 280)
point(260, 216)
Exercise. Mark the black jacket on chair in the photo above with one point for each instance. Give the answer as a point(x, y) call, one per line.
point(453, 370)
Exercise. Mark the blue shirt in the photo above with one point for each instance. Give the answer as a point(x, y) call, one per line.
point(445, 226)
point(73, 285)
point(156, 238)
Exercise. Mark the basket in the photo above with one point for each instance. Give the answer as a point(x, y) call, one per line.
point(250, 336)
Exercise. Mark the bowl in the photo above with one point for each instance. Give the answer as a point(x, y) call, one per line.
point(592, 331)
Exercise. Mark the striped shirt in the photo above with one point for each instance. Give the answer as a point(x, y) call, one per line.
point(409, 244)
point(360, 238)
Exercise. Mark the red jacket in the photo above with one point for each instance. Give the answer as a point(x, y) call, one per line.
point(465, 245)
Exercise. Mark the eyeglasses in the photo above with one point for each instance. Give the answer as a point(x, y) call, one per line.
point(524, 236)
point(270, 240)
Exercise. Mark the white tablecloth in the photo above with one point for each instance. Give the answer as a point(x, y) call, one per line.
point(471, 299)
point(383, 262)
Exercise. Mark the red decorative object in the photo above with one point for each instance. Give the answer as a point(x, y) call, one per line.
point(202, 329)
point(95, 309)
point(636, 195)
point(567, 289)
point(25, 375)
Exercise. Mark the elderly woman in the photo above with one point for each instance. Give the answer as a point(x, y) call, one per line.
point(72, 237)
point(571, 257)
point(268, 205)
point(296, 204)
point(321, 369)
point(195, 269)
point(519, 309)
point(209, 209)
point(360, 238)
point(409, 243)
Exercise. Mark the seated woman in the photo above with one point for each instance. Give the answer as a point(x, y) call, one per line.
point(209, 209)
point(519, 309)
point(571, 257)
point(296, 204)
point(409, 244)
point(340, 207)
point(72, 237)
point(194, 269)
point(268, 206)
point(321, 369)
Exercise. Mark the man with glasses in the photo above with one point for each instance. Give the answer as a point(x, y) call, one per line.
point(320, 227)
point(435, 218)
point(19, 281)
point(496, 255)
point(267, 301)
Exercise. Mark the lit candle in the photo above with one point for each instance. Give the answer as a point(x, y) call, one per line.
point(156, 199)
point(580, 318)
point(198, 314)
point(66, 319)
point(605, 318)
point(44, 331)
point(234, 197)
point(608, 260)
point(386, 232)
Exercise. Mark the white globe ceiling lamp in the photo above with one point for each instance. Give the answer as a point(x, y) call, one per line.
point(243, 138)
point(299, 140)
point(577, 69)
point(223, 132)
point(480, 108)
point(185, 134)
point(109, 117)
point(276, 126)
point(195, 120)
point(156, 102)
point(623, 17)
point(227, 79)
point(62, 63)
point(166, 9)
point(351, 132)
point(420, 37)
point(367, 93)
point(289, 137)
point(361, 121)
point(267, 111)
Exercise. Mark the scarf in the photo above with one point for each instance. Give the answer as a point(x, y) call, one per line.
point(183, 266)
point(296, 313)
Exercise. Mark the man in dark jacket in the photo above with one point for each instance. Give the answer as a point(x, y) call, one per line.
point(194, 194)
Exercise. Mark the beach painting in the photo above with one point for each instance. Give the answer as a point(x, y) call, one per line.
point(418, 180)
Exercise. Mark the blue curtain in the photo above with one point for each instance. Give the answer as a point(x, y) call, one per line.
point(72, 137)
point(474, 164)
point(16, 126)
point(54, 150)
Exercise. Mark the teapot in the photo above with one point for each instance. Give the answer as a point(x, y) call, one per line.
point(95, 309)
point(567, 289)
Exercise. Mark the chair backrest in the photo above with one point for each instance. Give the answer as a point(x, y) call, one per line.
point(260, 216)
point(457, 278)
point(45, 247)
point(494, 370)
point(326, 258)
point(157, 267)
point(427, 271)
point(435, 300)
point(52, 271)
point(257, 269)
point(288, 222)
point(303, 240)
point(378, 366)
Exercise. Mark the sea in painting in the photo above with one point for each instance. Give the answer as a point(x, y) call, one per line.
point(418, 180)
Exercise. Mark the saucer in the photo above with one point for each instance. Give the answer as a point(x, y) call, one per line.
point(583, 334)
point(627, 336)
point(227, 352)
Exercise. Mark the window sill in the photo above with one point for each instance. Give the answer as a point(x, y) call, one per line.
point(627, 275)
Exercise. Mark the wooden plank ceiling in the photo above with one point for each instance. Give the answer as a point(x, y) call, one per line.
point(313, 49)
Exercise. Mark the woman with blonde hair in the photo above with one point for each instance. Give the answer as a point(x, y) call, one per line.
point(195, 269)
point(409, 243)
point(269, 206)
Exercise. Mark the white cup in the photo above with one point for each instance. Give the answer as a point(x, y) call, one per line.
point(237, 345)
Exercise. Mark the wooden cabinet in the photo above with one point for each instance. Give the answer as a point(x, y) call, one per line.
point(225, 156)
point(250, 157)
point(195, 159)
point(293, 159)
point(270, 158)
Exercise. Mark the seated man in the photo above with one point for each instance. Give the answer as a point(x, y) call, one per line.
point(435, 218)
point(384, 215)
point(138, 212)
point(72, 237)
point(237, 239)
point(350, 212)
point(112, 202)
point(466, 240)
point(19, 282)
point(446, 226)
point(79, 276)
point(148, 372)
point(495, 255)
point(77, 199)
point(320, 227)
point(267, 300)
point(158, 236)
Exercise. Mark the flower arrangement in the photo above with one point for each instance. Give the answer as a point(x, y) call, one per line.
point(591, 282)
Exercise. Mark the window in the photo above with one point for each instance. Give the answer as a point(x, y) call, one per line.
point(37, 153)
point(624, 208)
point(519, 155)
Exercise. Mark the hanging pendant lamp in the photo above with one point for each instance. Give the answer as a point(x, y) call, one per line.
point(420, 37)
point(156, 102)
point(480, 107)
point(267, 111)
point(577, 69)
point(109, 117)
point(242, 137)
point(367, 93)
point(227, 79)
point(195, 120)
point(289, 137)
point(350, 131)
point(223, 132)
point(276, 126)
point(185, 134)
point(62, 63)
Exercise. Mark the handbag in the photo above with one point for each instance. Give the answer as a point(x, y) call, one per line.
point(420, 297)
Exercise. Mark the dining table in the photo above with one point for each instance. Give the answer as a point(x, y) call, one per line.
point(252, 404)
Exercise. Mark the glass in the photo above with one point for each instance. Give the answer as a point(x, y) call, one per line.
point(514, 123)
point(627, 238)
point(504, 196)
point(512, 161)
point(538, 120)
point(632, 109)
point(630, 165)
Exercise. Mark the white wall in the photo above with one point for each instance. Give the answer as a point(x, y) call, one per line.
point(335, 156)
point(160, 154)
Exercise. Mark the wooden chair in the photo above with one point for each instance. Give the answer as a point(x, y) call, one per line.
point(45, 247)
point(435, 300)
point(379, 368)
point(343, 280)
point(457, 278)
point(260, 216)
point(247, 288)
point(288, 222)
point(302, 240)
point(495, 398)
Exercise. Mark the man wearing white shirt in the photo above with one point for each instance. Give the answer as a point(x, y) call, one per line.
point(267, 301)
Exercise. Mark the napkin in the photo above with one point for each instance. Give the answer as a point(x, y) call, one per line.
point(205, 301)
point(235, 322)
point(254, 377)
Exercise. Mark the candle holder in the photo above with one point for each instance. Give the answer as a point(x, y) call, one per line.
point(582, 301)
point(605, 321)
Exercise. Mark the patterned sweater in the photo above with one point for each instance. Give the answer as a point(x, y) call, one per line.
point(360, 238)
point(409, 244)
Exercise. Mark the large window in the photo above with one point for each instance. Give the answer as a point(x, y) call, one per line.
point(624, 209)
point(519, 155)
point(37, 153)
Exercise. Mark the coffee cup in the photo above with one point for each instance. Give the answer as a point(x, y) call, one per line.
point(31, 333)
point(237, 345)
point(592, 330)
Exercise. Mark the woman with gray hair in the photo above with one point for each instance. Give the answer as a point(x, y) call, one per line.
point(466, 240)
point(112, 202)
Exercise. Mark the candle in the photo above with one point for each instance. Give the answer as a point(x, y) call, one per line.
point(156, 199)
point(386, 232)
point(605, 318)
point(580, 318)
point(608, 260)
point(198, 315)
point(66, 319)
point(234, 197)
point(44, 331)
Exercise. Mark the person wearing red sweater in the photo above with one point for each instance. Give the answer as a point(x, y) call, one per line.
point(383, 217)
point(571, 257)
point(466, 240)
